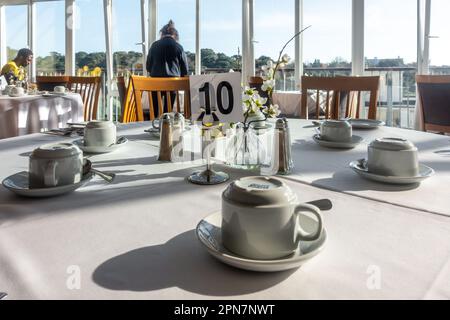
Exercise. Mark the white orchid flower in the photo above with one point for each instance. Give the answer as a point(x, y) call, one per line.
point(285, 58)
point(264, 87)
point(273, 111)
point(269, 83)
point(245, 97)
point(263, 101)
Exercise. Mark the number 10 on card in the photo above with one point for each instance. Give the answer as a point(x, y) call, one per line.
point(216, 98)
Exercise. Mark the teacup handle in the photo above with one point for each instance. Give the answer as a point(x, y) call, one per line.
point(50, 174)
point(301, 234)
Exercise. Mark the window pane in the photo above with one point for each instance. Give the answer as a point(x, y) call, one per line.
point(184, 18)
point(90, 47)
point(89, 36)
point(391, 48)
point(327, 44)
point(126, 33)
point(16, 29)
point(50, 37)
point(274, 25)
point(440, 47)
point(221, 35)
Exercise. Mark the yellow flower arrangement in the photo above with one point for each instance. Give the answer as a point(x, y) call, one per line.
point(96, 72)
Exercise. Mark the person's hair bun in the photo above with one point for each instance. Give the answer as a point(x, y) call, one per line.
point(169, 30)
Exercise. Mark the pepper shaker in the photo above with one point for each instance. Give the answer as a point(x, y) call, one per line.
point(282, 147)
point(166, 140)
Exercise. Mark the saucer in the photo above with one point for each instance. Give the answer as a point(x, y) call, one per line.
point(18, 183)
point(58, 93)
point(356, 140)
point(17, 95)
point(360, 167)
point(210, 235)
point(366, 124)
point(99, 149)
point(153, 131)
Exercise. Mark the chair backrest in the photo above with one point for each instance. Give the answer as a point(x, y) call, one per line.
point(89, 89)
point(256, 83)
point(434, 94)
point(137, 85)
point(48, 83)
point(334, 88)
point(122, 88)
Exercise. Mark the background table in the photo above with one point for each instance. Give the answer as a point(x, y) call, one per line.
point(31, 114)
point(135, 238)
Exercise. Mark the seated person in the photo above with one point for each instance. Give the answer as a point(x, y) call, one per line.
point(15, 69)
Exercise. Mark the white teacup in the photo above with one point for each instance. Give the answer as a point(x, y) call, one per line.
point(261, 219)
point(8, 88)
point(55, 165)
point(336, 131)
point(59, 89)
point(17, 91)
point(100, 134)
point(393, 157)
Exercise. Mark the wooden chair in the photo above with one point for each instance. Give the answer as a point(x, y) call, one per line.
point(138, 85)
point(48, 83)
point(434, 95)
point(122, 88)
point(256, 83)
point(89, 89)
point(334, 88)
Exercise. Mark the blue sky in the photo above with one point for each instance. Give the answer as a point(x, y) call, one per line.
point(390, 27)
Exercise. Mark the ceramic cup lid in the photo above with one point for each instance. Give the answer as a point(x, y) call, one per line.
point(56, 150)
point(99, 124)
point(392, 144)
point(259, 191)
point(336, 124)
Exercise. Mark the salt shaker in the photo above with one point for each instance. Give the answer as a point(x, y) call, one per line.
point(282, 147)
point(178, 121)
point(177, 136)
point(166, 140)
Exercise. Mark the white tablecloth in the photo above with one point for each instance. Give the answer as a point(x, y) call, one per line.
point(289, 102)
point(31, 114)
point(135, 239)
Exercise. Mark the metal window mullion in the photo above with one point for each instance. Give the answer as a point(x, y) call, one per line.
point(143, 37)
point(298, 43)
point(245, 41)
point(31, 34)
point(251, 42)
point(107, 9)
point(426, 43)
point(358, 18)
point(152, 21)
point(198, 52)
point(70, 14)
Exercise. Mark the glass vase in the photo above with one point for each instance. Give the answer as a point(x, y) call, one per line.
point(246, 149)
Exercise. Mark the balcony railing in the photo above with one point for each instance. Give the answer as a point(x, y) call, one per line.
point(397, 94)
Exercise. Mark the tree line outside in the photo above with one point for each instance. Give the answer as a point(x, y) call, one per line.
point(131, 61)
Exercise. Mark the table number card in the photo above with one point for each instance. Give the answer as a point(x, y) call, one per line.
point(216, 98)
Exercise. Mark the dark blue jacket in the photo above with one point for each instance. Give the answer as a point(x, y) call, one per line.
point(166, 58)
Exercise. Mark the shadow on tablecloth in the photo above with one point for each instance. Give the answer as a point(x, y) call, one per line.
point(181, 262)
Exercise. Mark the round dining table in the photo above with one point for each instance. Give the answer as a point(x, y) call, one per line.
point(37, 113)
point(135, 238)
